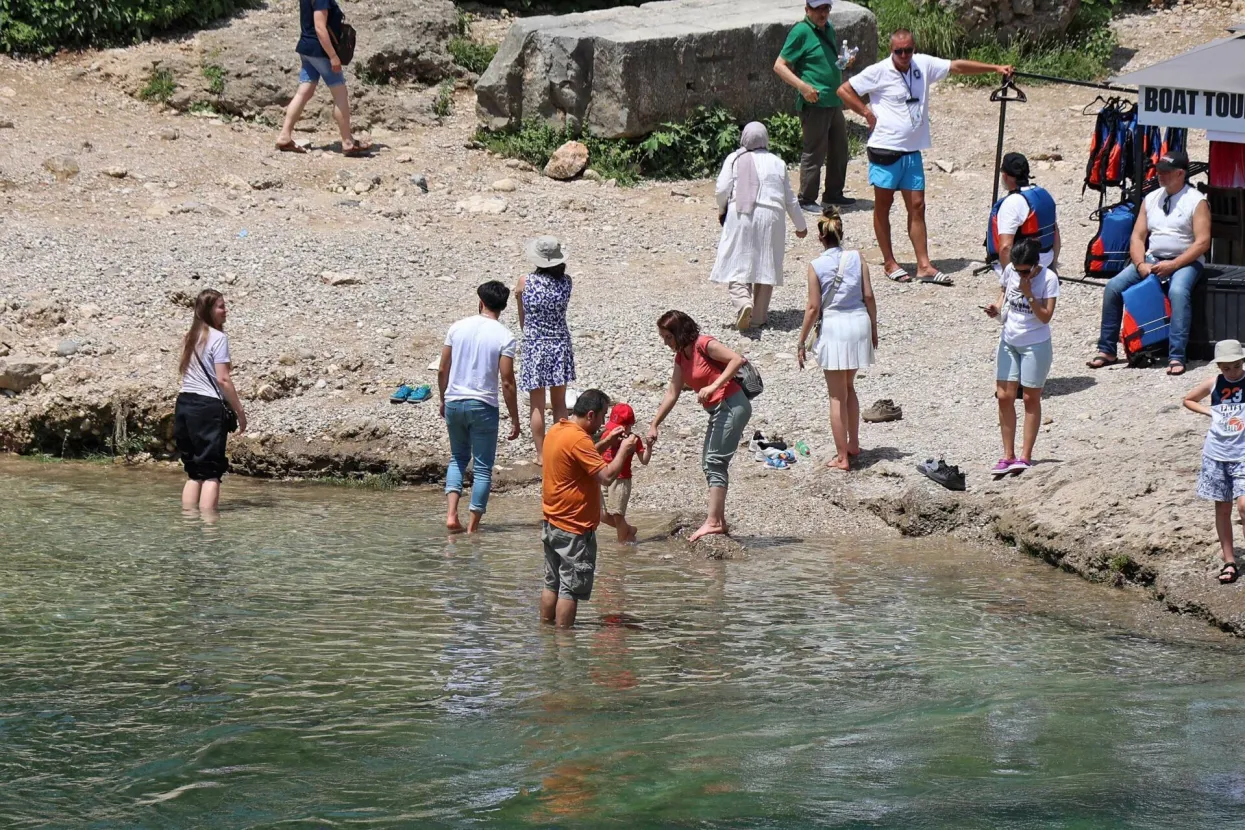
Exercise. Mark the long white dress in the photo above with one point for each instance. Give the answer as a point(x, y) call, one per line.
point(751, 248)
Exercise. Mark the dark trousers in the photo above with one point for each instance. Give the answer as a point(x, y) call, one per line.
point(825, 134)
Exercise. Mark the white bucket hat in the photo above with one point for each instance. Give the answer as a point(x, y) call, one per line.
point(545, 252)
point(1229, 351)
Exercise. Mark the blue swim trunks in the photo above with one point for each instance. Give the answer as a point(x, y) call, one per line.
point(906, 174)
point(316, 68)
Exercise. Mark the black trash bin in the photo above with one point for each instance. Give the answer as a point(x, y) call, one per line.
point(1218, 309)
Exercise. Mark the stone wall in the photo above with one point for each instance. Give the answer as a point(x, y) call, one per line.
point(623, 72)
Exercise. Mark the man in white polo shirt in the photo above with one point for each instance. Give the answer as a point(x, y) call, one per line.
point(898, 118)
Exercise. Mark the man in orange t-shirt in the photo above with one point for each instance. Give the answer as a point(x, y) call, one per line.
point(574, 474)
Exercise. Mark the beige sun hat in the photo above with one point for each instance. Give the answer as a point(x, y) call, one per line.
point(545, 252)
point(1229, 351)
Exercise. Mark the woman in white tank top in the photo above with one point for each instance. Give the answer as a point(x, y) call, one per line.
point(840, 296)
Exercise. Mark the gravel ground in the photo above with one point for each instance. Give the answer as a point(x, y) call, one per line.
point(215, 206)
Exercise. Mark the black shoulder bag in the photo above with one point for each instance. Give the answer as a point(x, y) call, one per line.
point(228, 416)
point(344, 42)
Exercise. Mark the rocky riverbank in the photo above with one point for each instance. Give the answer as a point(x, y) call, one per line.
point(342, 276)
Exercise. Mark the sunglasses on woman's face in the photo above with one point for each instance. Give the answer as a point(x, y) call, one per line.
point(1025, 271)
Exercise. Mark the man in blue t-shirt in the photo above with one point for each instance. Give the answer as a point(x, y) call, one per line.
point(317, 47)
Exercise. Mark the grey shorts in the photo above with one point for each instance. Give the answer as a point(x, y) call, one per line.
point(1221, 480)
point(570, 562)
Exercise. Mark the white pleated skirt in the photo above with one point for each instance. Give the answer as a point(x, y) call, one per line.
point(846, 340)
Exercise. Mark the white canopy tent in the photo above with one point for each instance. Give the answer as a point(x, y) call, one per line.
point(1203, 89)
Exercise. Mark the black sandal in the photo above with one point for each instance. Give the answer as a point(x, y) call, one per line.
point(1231, 574)
point(1101, 361)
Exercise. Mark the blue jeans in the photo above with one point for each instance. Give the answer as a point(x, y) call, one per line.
point(313, 69)
point(1179, 293)
point(473, 433)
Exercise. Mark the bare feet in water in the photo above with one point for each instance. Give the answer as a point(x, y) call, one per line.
point(453, 525)
point(707, 530)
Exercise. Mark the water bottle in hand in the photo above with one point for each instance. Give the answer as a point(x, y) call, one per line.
point(847, 54)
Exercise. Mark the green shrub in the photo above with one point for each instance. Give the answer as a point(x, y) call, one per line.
point(160, 86)
point(43, 26)
point(1082, 54)
point(471, 55)
point(690, 149)
point(216, 78)
point(443, 104)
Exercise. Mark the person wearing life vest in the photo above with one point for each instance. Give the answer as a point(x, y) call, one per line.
point(1026, 212)
point(1170, 239)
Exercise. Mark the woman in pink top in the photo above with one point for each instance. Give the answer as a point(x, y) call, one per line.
point(709, 368)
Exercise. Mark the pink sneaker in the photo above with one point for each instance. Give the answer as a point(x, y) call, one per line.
point(1004, 466)
point(1019, 466)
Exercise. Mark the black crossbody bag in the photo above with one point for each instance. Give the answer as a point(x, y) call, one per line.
point(228, 416)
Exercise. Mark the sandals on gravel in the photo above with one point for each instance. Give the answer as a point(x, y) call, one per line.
point(1228, 570)
point(1175, 368)
point(291, 147)
point(1101, 361)
point(939, 278)
point(357, 150)
point(899, 275)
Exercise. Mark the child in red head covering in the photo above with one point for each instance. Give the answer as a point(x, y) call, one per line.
point(618, 427)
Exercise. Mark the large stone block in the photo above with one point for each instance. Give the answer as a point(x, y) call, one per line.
point(622, 72)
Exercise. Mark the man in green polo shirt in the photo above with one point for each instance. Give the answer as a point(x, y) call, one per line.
point(808, 62)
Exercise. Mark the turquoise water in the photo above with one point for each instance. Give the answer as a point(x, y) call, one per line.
point(325, 657)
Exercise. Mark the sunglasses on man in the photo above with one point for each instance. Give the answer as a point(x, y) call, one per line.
point(908, 50)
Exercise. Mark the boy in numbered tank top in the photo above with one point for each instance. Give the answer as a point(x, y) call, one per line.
point(1222, 476)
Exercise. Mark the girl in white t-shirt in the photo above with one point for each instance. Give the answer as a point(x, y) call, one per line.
point(200, 427)
point(1027, 295)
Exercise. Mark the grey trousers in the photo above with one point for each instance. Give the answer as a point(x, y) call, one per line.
point(757, 296)
point(825, 141)
point(727, 421)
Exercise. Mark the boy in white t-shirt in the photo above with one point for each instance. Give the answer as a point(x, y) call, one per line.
point(1027, 295)
point(478, 352)
point(898, 118)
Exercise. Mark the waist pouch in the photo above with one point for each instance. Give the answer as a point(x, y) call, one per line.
point(885, 158)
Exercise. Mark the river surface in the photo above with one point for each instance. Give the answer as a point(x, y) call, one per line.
point(323, 657)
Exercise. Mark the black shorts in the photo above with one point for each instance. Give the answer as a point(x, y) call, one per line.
point(199, 430)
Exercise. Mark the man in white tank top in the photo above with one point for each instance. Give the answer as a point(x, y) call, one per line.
point(1170, 240)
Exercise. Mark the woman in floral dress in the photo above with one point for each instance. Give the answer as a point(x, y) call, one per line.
point(546, 359)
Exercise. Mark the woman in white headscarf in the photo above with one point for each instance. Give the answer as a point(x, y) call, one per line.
point(753, 192)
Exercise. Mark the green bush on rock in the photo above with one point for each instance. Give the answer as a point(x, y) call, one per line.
point(690, 149)
point(43, 26)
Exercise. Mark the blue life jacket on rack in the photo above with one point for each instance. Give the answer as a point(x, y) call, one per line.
point(1040, 224)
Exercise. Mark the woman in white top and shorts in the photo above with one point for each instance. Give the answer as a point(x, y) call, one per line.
point(199, 417)
point(1027, 294)
point(753, 192)
point(841, 296)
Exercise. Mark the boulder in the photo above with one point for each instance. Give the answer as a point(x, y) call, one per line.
point(568, 161)
point(1006, 19)
point(622, 72)
point(20, 373)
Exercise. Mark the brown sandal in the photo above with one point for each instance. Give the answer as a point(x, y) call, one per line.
point(357, 150)
point(291, 147)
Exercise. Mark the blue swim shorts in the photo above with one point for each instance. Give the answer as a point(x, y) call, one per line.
point(906, 174)
point(316, 68)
